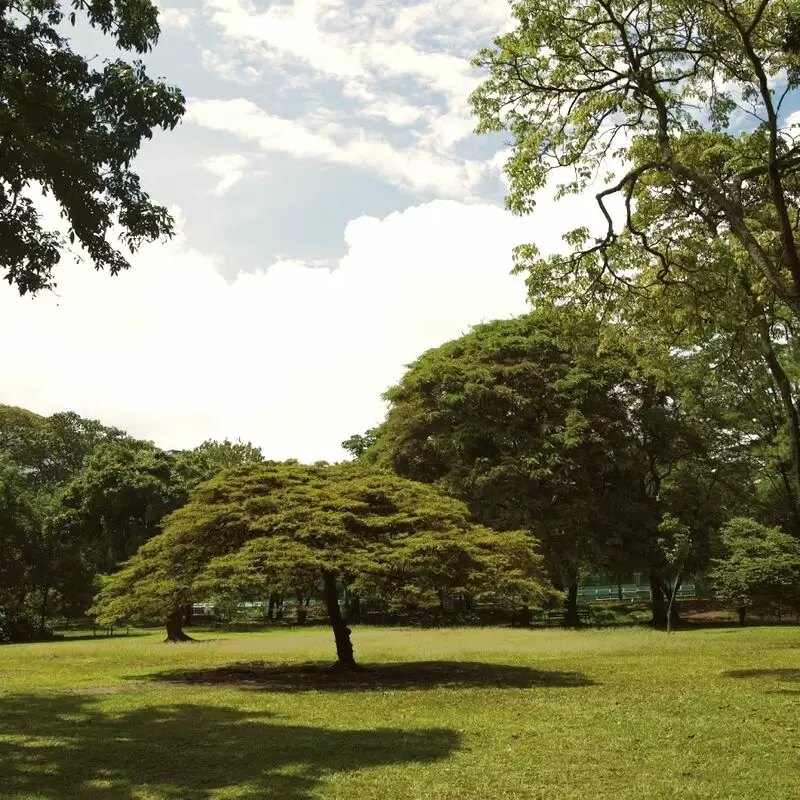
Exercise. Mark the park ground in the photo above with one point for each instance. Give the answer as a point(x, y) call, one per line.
point(457, 714)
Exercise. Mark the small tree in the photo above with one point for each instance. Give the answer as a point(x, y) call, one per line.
point(761, 566)
point(676, 546)
point(270, 528)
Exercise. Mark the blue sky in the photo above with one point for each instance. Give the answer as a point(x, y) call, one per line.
point(305, 115)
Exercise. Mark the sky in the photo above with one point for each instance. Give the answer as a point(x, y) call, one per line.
point(336, 217)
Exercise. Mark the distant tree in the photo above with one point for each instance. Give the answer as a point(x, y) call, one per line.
point(20, 555)
point(271, 528)
point(760, 567)
point(675, 543)
point(47, 453)
point(118, 500)
point(50, 450)
point(73, 131)
point(358, 444)
point(192, 467)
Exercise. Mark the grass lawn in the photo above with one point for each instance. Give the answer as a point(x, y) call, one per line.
point(457, 714)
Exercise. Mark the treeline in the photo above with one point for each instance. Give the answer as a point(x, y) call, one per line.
point(569, 443)
point(77, 498)
point(620, 452)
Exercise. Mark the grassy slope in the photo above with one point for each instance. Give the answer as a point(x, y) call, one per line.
point(617, 714)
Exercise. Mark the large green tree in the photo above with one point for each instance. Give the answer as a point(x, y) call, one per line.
point(687, 105)
point(72, 128)
point(537, 423)
point(273, 527)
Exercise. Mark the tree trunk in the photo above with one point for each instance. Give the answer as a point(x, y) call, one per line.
point(175, 628)
point(658, 600)
point(571, 607)
point(43, 610)
point(341, 633)
point(742, 614)
point(271, 608)
point(187, 615)
point(672, 611)
point(786, 393)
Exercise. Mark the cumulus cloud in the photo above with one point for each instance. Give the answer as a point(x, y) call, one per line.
point(294, 358)
point(175, 17)
point(319, 136)
point(228, 168)
point(408, 66)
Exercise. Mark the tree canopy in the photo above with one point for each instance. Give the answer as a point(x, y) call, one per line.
point(72, 130)
point(760, 566)
point(259, 529)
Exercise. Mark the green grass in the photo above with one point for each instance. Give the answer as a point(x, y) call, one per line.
point(490, 714)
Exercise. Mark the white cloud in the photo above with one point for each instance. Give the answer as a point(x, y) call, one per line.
point(424, 48)
point(294, 358)
point(175, 17)
point(318, 136)
point(228, 168)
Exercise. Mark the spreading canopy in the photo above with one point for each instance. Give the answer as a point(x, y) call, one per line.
point(271, 528)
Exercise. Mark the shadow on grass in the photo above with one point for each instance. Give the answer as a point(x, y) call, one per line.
point(785, 675)
point(407, 675)
point(66, 746)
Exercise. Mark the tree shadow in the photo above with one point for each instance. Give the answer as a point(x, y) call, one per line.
point(66, 746)
point(407, 675)
point(784, 675)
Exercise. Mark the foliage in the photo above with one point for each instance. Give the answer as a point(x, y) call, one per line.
point(686, 105)
point(272, 528)
point(760, 566)
point(18, 553)
point(542, 423)
point(50, 450)
point(192, 467)
point(359, 444)
point(72, 131)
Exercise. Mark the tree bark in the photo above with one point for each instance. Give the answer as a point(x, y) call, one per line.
point(43, 611)
point(571, 607)
point(658, 600)
point(341, 633)
point(673, 618)
point(786, 394)
point(742, 614)
point(175, 628)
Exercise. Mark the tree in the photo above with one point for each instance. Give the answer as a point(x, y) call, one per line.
point(118, 500)
point(689, 102)
point(358, 444)
point(72, 131)
point(760, 567)
point(46, 453)
point(676, 545)
point(530, 422)
point(19, 554)
point(192, 467)
point(50, 450)
point(270, 528)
